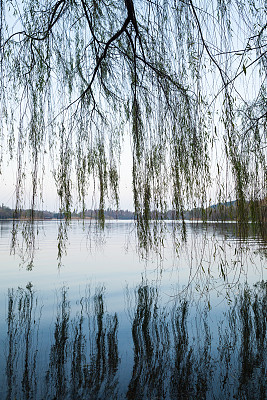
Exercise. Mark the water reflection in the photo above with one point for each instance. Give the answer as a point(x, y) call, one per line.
point(178, 350)
point(84, 354)
point(151, 345)
point(22, 331)
point(56, 376)
point(26, 237)
point(168, 362)
point(243, 347)
point(230, 232)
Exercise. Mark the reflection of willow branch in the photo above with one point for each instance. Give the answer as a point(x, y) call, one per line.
point(100, 374)
point(59, 351)
point(151, 345)
point(78, 356)
point(165, 365)
point(23, 326)
point(243, 346)
point(84, 364)
point(172, 349)
point(181, 383)
point(191, 370)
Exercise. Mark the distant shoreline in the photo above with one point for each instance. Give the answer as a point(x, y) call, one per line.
point(225, 212)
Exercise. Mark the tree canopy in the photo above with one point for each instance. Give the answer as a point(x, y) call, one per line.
point(186, 80)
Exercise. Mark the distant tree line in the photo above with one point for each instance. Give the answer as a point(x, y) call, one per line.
point(8, 213)
point(218, 212)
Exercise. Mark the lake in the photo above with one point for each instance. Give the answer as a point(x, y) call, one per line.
point(107, 324)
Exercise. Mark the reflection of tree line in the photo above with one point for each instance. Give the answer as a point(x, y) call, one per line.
point(242, 240)
point(173, 354)
point(228, 230)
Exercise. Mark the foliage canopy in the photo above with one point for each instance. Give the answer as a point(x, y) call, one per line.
point(185, 79)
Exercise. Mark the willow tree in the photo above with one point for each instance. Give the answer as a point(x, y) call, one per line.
point(184, 79)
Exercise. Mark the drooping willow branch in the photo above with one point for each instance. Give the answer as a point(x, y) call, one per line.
point(78, 75)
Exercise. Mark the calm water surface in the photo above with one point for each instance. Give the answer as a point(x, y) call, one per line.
point(108, 325)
